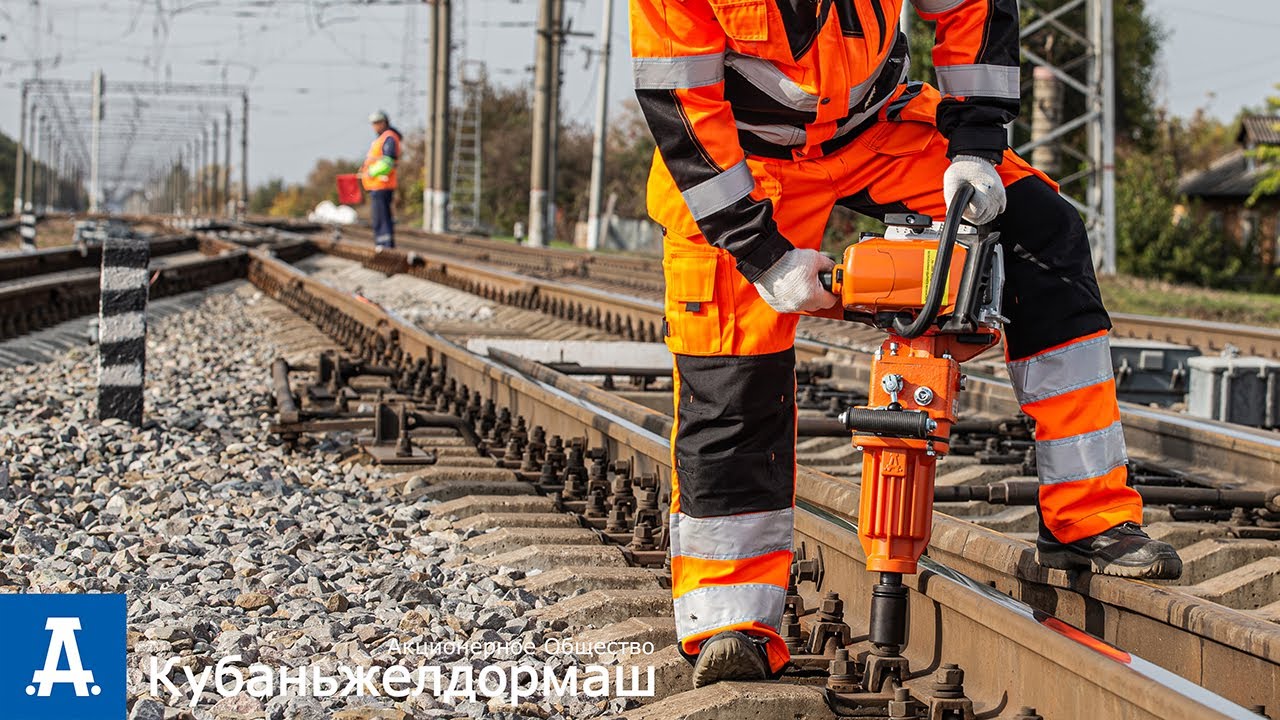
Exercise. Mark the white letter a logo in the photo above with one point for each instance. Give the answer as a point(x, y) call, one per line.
point(63, 640)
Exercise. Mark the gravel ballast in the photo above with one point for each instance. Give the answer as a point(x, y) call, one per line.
point(226, 542)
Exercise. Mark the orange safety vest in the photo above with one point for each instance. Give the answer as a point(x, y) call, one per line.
point(388, 181)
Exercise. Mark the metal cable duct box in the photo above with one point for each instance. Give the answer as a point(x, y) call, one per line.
point(1241, 390)
point(1150, 371)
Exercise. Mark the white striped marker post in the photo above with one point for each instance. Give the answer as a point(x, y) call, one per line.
point(27, 228)
point(122, 328)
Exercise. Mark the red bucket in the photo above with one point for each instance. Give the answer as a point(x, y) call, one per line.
point(349, 190)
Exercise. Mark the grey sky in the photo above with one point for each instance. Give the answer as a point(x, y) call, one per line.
point(316, 68)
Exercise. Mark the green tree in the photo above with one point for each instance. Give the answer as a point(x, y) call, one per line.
point(8, 150)
point(263, 196)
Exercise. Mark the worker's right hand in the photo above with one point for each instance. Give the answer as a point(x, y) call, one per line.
point(791, 284)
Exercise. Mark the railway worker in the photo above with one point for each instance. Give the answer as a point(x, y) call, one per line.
point(767, 113)
point(378, 176)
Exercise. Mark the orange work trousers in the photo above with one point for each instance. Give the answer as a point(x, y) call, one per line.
point(733, 446)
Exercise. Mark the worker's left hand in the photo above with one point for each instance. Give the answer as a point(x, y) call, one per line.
point(988, 196)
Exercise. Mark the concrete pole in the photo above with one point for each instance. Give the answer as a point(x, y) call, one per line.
point(553, 141)
point(186, 178)
point(210, 170)
point(428, 137)
point(20, 159)
point(226, 164)
point(1109, 136)
point(440, 126)
point(244, 153)
point(596, 230)
point(38, 149)
point(95, 188)
point(1102, 137)
point(50, 166)
point(1046, 114)
point(542, 98)
point(28, 177)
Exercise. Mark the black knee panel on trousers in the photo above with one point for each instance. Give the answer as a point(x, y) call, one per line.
point(735, 433)
point(1051, 295)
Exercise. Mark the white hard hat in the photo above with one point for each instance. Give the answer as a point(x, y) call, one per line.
point(379, 116)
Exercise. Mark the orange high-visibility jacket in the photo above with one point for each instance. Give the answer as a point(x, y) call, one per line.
point(798, 79)
point(382, 182)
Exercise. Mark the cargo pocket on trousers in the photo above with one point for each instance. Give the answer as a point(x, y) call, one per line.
point(692, 316)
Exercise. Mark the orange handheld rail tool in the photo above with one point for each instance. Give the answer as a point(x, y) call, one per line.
point(937, 295)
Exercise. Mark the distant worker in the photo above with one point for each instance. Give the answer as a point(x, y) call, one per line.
point(767, 114)
point(378, 176)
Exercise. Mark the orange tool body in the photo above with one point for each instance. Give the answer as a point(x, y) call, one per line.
point(937, 296)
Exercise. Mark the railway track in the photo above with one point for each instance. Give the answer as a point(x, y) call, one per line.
point(1007, 648)
point(641, 274)
point(1003, 639)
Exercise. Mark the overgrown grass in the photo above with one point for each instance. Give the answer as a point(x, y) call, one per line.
point(1127, 294)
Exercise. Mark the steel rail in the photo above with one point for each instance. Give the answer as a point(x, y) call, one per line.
point(1207, 643)
point(1230, 453)
point(45, 300)
point(1017, 656)
point(1208, 336)
point(22, 265)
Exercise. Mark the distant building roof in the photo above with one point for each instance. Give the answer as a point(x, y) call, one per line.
point(1259, 130)
point(1230, 176)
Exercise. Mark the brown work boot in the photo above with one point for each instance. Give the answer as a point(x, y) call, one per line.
point(1124, 550)
point(730, 656)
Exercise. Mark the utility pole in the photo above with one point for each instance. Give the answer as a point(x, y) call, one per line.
point(440, 121)
point(211, 169)
point(226, 164)
point(95, 188)
point(1046, 115)
point(202, 158)
point(542, 115)
point(1108, 141)
point(597, 227)
point(553, 140)
point(244, 152)
point(28, 176)
point(20, 160)
point(50, 150)
point(428, 139)
point(38, 149)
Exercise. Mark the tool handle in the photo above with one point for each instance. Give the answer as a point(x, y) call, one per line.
point(897, 423)
point(825, 279)
point(941, 266)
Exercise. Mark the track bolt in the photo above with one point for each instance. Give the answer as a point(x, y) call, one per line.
point(1028, 713)
point(791, 633)
point(842, 677)
point(948, 682)
point(832, 608)
point(901, 707)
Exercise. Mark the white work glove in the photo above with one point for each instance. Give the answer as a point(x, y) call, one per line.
point(791, 284)
point(988, 197)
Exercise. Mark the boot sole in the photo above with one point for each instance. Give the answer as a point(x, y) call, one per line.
point(1164, 568)
point(732, 658)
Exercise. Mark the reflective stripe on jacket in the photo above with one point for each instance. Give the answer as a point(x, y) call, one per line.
point(797, 79)
point(381, 182)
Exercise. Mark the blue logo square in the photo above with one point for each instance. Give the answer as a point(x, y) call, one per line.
point(64, 657)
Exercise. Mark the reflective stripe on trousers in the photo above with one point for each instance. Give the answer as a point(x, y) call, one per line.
point(1080, 453)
